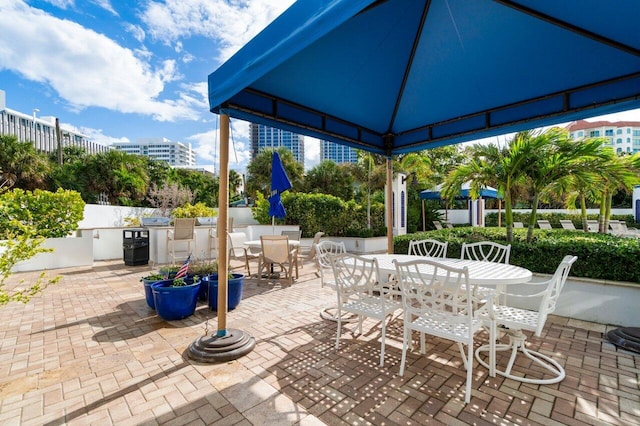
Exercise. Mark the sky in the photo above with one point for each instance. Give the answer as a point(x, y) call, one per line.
point(122, 70)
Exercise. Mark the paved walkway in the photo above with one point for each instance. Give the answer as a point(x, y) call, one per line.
point(89, 351)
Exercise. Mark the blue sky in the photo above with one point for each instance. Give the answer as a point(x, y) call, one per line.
point(123, 70)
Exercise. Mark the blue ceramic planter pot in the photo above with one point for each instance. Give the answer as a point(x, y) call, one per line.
point(175, 303)
point(234, 291)
point(148, 294)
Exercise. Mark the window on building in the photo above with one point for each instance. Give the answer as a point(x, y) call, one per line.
point(636, 133)
point(594, 133)
point(608, 132)
point(619, 140)
point(619, 132)
point(580, 134)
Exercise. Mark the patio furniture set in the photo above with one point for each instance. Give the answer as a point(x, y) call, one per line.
point(454, 299)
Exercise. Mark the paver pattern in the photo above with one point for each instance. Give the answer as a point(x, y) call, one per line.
point(88, 351)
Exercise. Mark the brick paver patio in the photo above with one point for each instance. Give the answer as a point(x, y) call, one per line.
point(89, 351)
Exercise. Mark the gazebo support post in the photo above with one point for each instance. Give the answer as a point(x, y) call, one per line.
point(389, 212)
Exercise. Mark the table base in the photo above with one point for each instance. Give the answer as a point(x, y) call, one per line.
point(331, 314)
point(516, 343)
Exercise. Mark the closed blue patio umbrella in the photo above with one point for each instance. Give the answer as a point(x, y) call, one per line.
point(279, 183)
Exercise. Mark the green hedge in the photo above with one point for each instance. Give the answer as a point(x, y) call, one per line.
point(321, 212)
point(600, 256)
point(51, 214)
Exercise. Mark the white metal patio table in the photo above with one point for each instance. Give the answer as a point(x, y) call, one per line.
point(481, 273)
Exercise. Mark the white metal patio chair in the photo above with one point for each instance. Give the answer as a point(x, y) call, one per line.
point(519, 319)
point(360, 292)
point(439, 303)
point(324, 251)
point(276, 251)
point(487, 251)
point(428, 248)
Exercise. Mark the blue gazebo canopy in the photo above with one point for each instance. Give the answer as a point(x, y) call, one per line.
point(434, 194)
point(395, 76)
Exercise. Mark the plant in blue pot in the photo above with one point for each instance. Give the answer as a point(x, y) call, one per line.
point(176, 298)
point(204, 270)
point(234, 291)
point(147, 281)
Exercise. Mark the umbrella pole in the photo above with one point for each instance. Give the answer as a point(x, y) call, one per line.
point(390, 206)
point(227, 344)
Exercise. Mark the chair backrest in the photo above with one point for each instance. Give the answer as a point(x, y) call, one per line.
point(428, 247)
point(293, 235)
point(184, 228)
point(275, 248)
point(437, 224)
point(324, 251)
point(487, 251)
point(429, 286)
point(544, 224)
point(567, 224)
point(592, 225)
point(356, 276)
point(449, 225)
point(552, 292)
point(236, 243)
point(518, 225)
point(311, 254)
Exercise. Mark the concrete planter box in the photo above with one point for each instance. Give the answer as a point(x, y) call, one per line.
point(360, 245)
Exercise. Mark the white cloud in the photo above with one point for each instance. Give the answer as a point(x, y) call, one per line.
point(207, 145)
point(136, 31)
point(231, 24)
point(311, 152)
point(94, 134)
point(87, 69)
point(106, 5)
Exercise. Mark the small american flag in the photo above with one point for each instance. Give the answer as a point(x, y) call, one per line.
point(182, 272)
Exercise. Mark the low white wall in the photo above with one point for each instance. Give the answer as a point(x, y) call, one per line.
point(99, 216)
point(360, 245)
point(603, 302)
point(68, 252)
point(462, 216)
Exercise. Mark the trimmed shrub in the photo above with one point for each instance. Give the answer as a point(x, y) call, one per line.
point(50, 214)
point(600, 256)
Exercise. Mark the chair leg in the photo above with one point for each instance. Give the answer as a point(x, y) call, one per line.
point(339, 329)
point(405, 337)
point(467, 391)
point(384, 329)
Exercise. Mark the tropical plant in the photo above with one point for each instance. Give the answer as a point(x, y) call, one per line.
point(259, 171)
point(17, 247)
point(168, 197)
point(329, 178)
point(49, 214)
point(197, 210)
point(21, 166)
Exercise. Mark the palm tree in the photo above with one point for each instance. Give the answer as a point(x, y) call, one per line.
point(555, 156)
point(500, 167)
point(21, 165)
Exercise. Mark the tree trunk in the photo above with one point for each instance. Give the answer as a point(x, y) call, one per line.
point(532, 219)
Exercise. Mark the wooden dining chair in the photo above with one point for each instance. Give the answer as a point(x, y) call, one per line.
point(437, 300)
point(360, 292)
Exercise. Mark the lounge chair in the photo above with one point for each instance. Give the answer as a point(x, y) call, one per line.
point(544, 224)
point(567, 224)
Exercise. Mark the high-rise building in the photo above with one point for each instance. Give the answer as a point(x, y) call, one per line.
point(41, 131)
point(161, 149)
point(624, 136)
point(337, 153)
point(270, 137)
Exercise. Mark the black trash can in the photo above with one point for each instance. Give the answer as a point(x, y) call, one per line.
point(135, 246)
